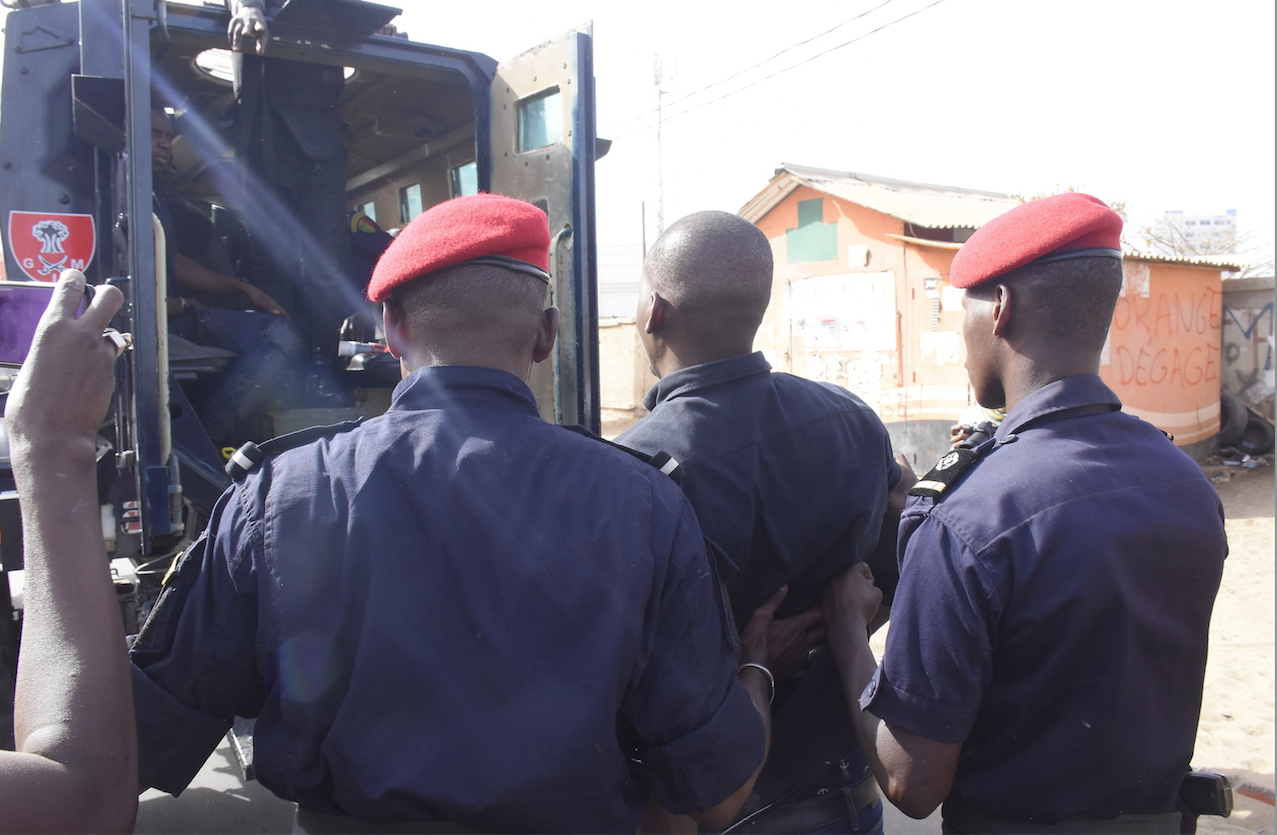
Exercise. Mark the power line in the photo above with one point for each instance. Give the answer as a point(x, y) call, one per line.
point(721, 81)
point(782, 71)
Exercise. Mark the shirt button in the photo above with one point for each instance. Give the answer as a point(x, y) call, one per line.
point(1010, 438)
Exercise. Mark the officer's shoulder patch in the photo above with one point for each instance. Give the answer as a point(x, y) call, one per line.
point(245, 459)
point(951, 465)
point(662, 461)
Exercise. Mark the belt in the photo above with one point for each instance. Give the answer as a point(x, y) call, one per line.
point(823, 808)
point(310, 822)
point(961, 817)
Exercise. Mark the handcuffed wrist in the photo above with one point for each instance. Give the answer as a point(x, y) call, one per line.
point(771, 679)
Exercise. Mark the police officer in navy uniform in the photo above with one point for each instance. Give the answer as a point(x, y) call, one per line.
point(1044, 668)
point(457, 613)
point(791, 477)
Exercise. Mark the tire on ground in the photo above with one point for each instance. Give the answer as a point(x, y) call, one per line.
point(1233, 418)
point(1257, 438)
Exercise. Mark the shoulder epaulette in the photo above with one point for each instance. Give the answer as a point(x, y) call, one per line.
point(662, 461)
point(245, 459)
point(951, 465)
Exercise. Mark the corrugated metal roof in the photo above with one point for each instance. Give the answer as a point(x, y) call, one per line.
point(928, 206)
point(1213, 262)
point(1220, 262)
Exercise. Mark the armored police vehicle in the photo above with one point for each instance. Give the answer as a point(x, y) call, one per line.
point(422, 123)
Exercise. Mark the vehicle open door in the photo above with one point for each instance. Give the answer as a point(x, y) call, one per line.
point(543, 151)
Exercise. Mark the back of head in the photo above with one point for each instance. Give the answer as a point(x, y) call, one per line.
point(1069, 303)
point(468, 309)
point(715, 269)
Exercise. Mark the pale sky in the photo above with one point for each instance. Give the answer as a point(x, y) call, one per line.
point(1163, 104)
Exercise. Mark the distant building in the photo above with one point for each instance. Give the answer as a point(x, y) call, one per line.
point(862, 298)
point(1177, 233)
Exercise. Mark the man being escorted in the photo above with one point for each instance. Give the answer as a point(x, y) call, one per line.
point(1048, 645)
point(457, 613)
point(789, 476)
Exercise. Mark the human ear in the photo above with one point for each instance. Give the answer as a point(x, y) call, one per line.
point(393, 319)
point(1003, 307)
point(655, 313)
point(546, 334)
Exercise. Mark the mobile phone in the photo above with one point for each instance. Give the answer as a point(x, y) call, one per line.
point(22, 303)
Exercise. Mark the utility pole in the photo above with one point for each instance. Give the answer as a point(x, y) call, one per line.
point(660, 159)
point(643, 224)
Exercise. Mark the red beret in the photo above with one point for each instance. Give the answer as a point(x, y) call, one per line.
point(1071, 225)
point(463, 229)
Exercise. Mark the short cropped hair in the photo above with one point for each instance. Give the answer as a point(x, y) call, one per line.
point(474, 302)
point(1071, 300)
point(715, 268)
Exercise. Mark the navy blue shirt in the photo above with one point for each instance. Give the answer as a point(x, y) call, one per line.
point(790, 477)
point(454, 611)
point(1053, 609)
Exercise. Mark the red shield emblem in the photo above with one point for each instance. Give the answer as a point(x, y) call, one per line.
point(46, 243)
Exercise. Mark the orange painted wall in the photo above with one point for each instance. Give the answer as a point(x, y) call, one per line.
point(1163, 357)
point(919, 376)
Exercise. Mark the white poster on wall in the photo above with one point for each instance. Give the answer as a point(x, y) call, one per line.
point(845, 312)
point(1134, 279)
point(941, 347)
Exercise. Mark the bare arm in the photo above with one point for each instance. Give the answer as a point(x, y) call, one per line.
point(76, 761)
point(194, 276)
point(915, 772)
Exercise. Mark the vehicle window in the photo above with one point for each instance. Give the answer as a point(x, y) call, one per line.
point(464, 179)
point(370, 209)
point(409, 202)
point(540, 120)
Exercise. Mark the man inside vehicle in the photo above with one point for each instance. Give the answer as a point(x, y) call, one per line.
point(210, 308)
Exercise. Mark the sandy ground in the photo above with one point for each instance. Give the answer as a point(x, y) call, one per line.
point(1235, 736)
